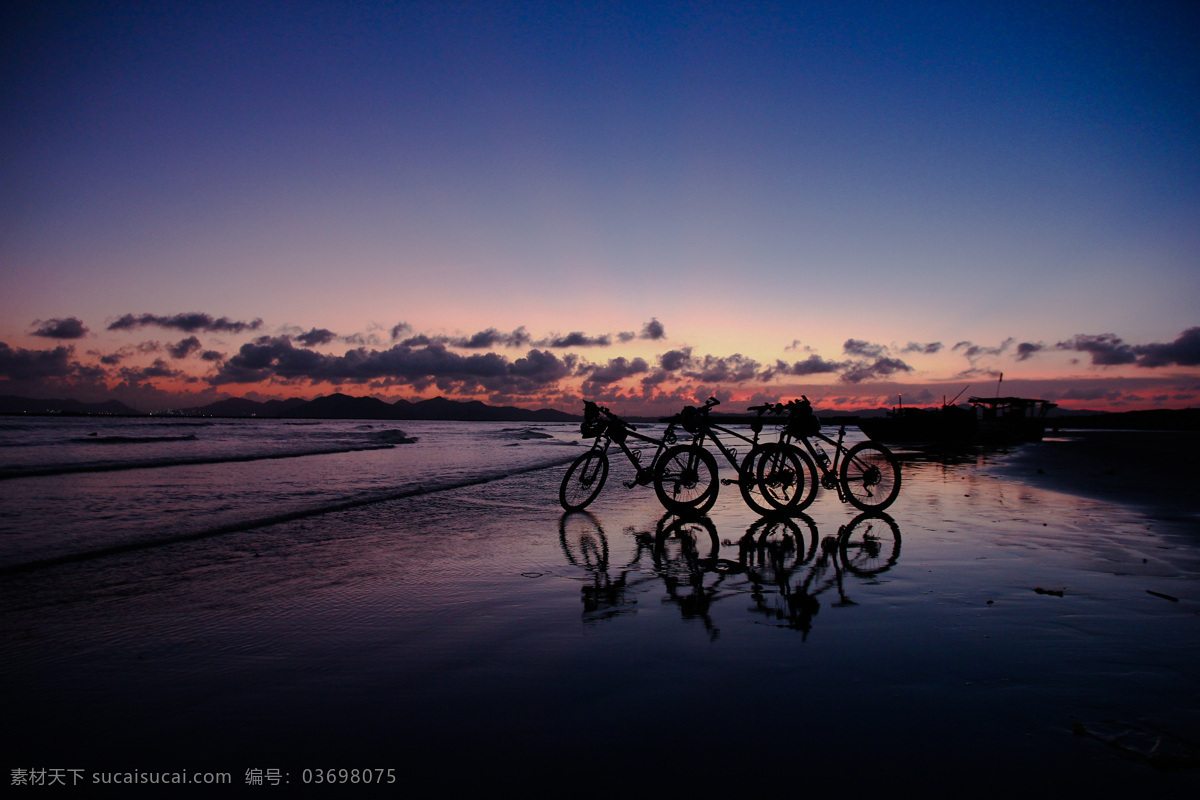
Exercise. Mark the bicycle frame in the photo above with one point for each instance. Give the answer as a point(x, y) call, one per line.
point(829, 479)
point(645, 474)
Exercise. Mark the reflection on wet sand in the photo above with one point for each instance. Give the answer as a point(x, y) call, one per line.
point(782, 564)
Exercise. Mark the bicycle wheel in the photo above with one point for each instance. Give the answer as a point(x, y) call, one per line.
point(870, 476)
point(583, 541)
point(686, 546)
point(685, 479)
point(780, 547)
point(776, 478)
point(584, 480)
point(870, 544)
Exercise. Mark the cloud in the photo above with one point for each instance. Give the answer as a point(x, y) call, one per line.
point(880, 368)
point(188, 323)
point(675, 360)
point(316, 336)
point(400, 328)
point(19, 364)
point(159, 369)
point(575, 339)
point(1184, 351)
point(736, 368)
point(276, 358)
point(492, 337)
point(69, 328)
point(616, 369)
point(184, 348)
point(975, 351)
point(924, 349)
point(1106, 349)
point(653, 330)
point(813, 365)
point(857, 347)
point(1026, 350)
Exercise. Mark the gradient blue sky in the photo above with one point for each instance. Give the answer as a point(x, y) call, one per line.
point(772, 183)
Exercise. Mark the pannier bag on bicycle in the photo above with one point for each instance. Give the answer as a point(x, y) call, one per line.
point(592, 425)
point(802, 421)
point(691, 418)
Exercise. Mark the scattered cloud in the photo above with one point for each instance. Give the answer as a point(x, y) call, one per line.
point(857, 347)
point(973, 352)
point(736, 368)
point(616, 369)
point(813, 365)
point(1026, 350)
point(1106, 349)
point(184, 348)
point(158, 370)
point(1184, 351)
point(653, 330)
point(67, 328)
point(19, 364)
point(188, 323)
point(316, 336)
point(277, 359)
point(491, 338)
point(879, 368)
point(675, 360)
point(924, 349)
point(575, 339)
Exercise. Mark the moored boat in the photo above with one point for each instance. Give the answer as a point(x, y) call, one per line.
point(986, 420)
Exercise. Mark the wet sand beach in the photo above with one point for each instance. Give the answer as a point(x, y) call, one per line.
point(1016, 640)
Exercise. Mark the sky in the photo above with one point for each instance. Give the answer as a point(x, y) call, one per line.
point(640, 203)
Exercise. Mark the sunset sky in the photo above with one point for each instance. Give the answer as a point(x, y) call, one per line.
point(643, 203)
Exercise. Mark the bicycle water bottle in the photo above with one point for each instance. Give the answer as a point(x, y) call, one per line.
point(822, 459)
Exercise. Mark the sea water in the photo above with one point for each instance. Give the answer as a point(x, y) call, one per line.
point(73, 487)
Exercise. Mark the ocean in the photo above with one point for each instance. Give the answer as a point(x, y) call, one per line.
point(74, 487)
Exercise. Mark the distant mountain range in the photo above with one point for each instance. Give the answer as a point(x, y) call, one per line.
point(11, 404)
point(334, 406)
point(341, 406)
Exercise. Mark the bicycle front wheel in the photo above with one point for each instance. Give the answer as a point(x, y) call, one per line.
point(685, 479)
point(870, 476)
point(584, 480)
point(777, 478)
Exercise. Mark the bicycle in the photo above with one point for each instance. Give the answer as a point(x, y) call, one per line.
point(685, 481)
point(771, 477)
point(865, 475)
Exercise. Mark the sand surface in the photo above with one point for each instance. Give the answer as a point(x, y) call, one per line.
point(1021, 640)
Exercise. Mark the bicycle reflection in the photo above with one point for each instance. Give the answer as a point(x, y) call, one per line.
point(782, 564)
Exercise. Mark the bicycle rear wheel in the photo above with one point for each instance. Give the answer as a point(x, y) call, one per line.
point(685, 479)
point(584, 480)
point(870, 544)
point(870, 476)
point(777, 479)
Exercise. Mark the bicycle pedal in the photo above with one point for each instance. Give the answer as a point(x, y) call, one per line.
point(731, 482)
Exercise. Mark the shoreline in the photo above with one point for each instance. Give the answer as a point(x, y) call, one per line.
point(1153, 471)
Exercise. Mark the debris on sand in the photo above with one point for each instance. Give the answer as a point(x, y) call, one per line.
point(1156, 748)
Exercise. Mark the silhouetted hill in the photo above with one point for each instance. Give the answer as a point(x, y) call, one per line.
point(343, 406)
point(240, 407)
point(476, 411)
point(12, 404)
